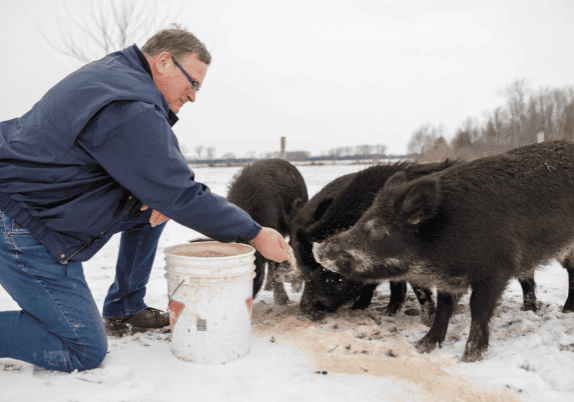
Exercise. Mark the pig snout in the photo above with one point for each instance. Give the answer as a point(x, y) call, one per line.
point(315, 305)
point(334, 260)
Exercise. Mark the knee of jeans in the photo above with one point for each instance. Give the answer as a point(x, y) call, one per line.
point(94, 356)
point(93, 352)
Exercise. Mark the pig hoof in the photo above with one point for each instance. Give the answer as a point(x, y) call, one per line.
point(473, 353)
point(471, 357)
point(530, 307)
point(425, 346)
point(391, 309)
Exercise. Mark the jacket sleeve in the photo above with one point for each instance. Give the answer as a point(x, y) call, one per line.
point(135, 144)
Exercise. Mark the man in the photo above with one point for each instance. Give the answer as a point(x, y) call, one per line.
point(94, 157)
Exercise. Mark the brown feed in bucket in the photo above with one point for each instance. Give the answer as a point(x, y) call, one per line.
point(210, 250)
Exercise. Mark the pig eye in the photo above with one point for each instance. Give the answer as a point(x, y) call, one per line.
point(376, 228)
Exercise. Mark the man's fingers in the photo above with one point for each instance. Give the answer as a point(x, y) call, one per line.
point(281, 256)
point(143, 208)
point(287, 248)
point(157, 218)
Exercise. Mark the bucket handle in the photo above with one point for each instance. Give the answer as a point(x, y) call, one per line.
point(176, 289)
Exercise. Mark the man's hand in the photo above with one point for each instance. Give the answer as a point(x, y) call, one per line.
point(156, 218)
point(272, 245)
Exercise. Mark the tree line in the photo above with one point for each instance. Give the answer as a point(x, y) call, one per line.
point(203, 153)
point(528, 116)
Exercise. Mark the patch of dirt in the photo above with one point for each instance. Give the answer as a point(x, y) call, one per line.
point(351, 342)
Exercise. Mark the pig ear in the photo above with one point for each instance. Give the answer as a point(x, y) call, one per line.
point(296, 206)
point(322, 208)
point(421, 201)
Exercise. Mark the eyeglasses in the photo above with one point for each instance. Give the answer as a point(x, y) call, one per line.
point(194, 84)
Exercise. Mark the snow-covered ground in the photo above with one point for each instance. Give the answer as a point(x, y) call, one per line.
point(347, 355)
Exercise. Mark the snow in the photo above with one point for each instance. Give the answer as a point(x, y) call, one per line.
point(346, 355)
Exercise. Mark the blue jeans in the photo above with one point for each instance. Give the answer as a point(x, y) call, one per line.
point(59, 326)
point(138, 246)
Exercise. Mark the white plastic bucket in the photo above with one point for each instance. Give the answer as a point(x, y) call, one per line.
point(210, 288)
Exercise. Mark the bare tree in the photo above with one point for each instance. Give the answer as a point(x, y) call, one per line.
point(380, 149)
point(424, 138)
point(199, 150)
point(568, 123)
point(336, 152)
point(108, 26)
point(363, 150)
point(516, 95)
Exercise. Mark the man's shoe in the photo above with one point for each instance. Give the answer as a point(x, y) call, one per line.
point(140, 322)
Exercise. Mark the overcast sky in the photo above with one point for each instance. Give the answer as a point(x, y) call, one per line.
point(324, 73)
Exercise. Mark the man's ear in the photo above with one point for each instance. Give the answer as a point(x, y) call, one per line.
point(162, 62)
point(420, 201)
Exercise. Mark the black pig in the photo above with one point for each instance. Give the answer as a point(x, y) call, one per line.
point(475, 224)
point(270, 191)
point(326, 291)
point(301, 243)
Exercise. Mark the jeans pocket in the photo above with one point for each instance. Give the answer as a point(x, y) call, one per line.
point(19, 237)
point(18, 230)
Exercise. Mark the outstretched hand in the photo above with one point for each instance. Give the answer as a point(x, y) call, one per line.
point(272, 245)
point(156, 218)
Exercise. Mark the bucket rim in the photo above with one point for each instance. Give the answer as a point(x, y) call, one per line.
point(187, 257)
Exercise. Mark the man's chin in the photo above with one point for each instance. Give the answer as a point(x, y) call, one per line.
point(174, 106)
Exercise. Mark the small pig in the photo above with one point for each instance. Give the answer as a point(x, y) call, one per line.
point(270, 191)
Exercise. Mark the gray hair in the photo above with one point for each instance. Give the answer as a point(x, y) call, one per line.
point(179, 42)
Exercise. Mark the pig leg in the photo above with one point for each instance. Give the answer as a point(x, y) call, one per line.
point(568, 263)
point(365, 296)
point(398, 296)
point(259, 273)
point(529, 296)
point(424, 296)
point(446, 303)
point(482, 304)
point(269, 283)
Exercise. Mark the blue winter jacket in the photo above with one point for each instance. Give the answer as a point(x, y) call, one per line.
point(95, 148)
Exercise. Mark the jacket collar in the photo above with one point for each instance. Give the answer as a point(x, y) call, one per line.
point(172, 116)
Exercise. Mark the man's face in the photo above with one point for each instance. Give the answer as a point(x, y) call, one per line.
point(173, 83)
